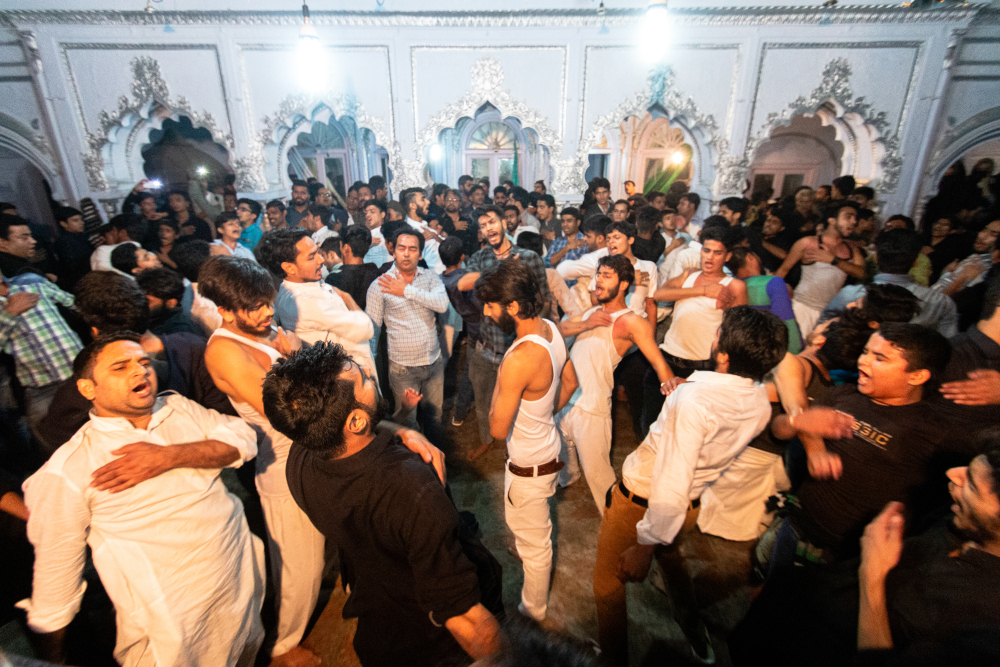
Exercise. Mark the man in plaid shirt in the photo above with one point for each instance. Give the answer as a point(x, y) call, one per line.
point(36, 335)
point(493, 343)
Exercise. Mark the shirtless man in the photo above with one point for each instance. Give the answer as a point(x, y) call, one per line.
point(604, 334)
point(521, 412)
point(238, 356)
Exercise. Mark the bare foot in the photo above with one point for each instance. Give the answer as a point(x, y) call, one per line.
point(297, 657)
point(478, 451)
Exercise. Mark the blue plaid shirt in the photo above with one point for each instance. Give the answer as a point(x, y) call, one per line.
point(42, 344)
point(410, 320)
point(485, 261)
point(559, 244)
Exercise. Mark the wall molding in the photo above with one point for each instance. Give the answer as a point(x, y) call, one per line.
point(723, 16)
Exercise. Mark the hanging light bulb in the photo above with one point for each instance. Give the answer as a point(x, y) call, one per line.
point(678, 157)
point(655, 32)
point(310, 61)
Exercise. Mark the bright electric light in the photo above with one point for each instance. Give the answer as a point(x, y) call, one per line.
point(655, 32)
point(310, 61)
point(202, 171)
point(436, 153)
point(678, 157)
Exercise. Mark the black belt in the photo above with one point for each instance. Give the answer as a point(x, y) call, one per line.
point(703, 365)
point(643, 502)
point(536, 471)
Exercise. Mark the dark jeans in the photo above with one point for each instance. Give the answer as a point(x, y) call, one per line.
point(483, 375)
point(464, 393)
point(631, 374)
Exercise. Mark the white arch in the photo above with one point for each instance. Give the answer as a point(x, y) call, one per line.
point(298, 114)
point(661, 97)
point(33, 147)
point(870, 151)
point(113, 159)
point(956, 142)
point(487, 79)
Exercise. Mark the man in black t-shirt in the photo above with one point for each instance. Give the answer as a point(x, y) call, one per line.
point(413, 591)
point(896, 437)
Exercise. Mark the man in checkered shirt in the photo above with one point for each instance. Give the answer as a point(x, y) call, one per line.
point(493, 343)
point(36, 335)
point(406, 300)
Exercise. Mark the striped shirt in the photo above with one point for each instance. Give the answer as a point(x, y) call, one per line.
point(410, 320)
point(42, 344)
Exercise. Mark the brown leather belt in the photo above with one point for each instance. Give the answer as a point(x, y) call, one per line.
point(536, 471)
point(643, 502)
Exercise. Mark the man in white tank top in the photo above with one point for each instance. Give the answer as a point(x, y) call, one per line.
point(238, 356)
point(828, 258)
point(603, 335)
point(521, 413)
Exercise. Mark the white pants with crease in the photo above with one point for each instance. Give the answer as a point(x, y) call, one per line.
point(587, 448)
point(526, 507)
point(296, 550)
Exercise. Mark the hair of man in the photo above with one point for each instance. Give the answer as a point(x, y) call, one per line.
point(451, 250)
point(277, 246)
point(754, 340)
point(622, 268)
point(531, 241)
point(162, 283)
point(736, 205)
point(693, 198)
point(598, 224)
point(189, 256)
point(358, 238)
point(625, 227)
point(889, 303)
point(511, 282)
point(235, 284)
point(278, 204)
point(321, 212)
point(570, 210)
point(897, 250)
point(223, 218)
point(922, 348)
point(123, 258)
point(110, 302)
point(332, 244)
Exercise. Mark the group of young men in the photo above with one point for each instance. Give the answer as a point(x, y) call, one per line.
point(309, 346)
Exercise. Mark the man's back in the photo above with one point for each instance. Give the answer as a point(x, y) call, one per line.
point(396, 531)
point(355, 279)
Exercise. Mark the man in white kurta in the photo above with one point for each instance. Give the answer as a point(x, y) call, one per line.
point(173, 551)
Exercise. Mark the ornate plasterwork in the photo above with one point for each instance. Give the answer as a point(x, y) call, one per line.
point(835, 88)
point(487, 86)
point(292, 112)
point(660, 91)
point(148, 90)
point(722, 16)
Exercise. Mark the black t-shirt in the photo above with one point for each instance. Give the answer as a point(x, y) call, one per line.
point(650, 249)
point(397, 534)
point(355, 280)
point(970, 351)
point(889, 457)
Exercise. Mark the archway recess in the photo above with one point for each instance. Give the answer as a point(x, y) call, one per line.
point(114, 159)
point(956, 143)
point(804, 152)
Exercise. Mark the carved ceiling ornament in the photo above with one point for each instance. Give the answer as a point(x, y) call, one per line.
point(487, 86)
point(835, 87)
point(281, 127)
point(148, 90)
point(660, 92)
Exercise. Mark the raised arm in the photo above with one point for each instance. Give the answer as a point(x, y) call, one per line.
point(793, 258)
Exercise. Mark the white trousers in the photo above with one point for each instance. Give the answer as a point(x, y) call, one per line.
point(806, 316)
point(526, 507)
point(296, 550)
point(733, 506)
point(587, 447)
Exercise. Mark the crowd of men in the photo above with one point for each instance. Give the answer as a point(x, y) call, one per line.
point(802, 376)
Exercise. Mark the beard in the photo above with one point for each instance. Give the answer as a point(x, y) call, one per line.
point(377, 412)
point(611, 295)
point(249, 329)
point(506, 323)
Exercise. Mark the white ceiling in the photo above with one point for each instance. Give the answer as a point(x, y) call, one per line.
point(393, 5)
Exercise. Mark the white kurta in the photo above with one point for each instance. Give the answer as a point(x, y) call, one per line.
point(174, 552)
point(315, 312)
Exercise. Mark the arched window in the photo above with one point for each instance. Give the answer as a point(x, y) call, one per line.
point(664, 157)
point(490, 152)
point(322, 153)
